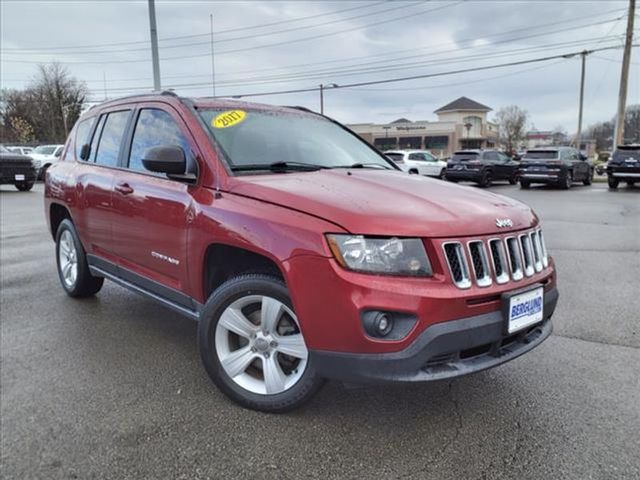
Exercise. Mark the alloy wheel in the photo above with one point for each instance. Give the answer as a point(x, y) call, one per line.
point(68, 259)
point(260, 346)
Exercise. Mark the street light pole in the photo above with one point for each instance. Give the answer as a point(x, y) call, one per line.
point(154, 45)
point(213, 65)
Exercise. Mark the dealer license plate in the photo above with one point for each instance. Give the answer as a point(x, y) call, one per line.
point(19, 177)
point(525, 309)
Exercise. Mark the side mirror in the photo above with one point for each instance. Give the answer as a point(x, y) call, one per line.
point(58, 153)
point(168, 159)
point(85, 151)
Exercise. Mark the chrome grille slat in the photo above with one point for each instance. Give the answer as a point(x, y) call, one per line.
point(527, 254)
point(500, 260)
point(457, 264)
point(480, 263)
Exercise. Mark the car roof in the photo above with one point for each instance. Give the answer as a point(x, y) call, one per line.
point(407, 151)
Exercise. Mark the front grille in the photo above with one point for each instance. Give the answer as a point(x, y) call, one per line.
point(496, 259)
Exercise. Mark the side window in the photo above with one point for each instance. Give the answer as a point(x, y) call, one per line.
point(491, 156)
point(430, 158)
point(416, 156)
point(82, 135)
point(111, 138)
point(154, 128)
point(96, 138)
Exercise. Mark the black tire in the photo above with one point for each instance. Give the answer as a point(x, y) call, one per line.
point(613, 182)
point(85, 284)
point(232, 290)
point(630, 183)
point(24, 186)
point(513, 179)
point(589, 180)
point(567, 182)
point(486, 180)
point(525, 184)
point(43, 171)
point(441, 176)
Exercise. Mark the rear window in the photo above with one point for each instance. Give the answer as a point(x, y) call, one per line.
point(541, 154)
point(623, 153)
point(464, 156)
point(396, 157)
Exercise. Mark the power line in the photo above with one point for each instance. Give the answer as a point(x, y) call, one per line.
point(257, 47)
point(416, 77)
point(252, 36)
point(199, 34)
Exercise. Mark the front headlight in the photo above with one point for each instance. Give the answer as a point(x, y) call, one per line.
point(391, 256)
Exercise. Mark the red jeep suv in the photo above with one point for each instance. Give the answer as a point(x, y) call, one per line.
point(303, 252)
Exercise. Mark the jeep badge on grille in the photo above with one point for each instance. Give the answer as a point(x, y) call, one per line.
point(504, 222)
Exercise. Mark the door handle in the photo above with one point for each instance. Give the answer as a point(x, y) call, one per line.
point(124, 188)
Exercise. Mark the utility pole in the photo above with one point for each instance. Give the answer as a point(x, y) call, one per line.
point(322, 87)
point(618, 136)
point(583, 54)
point(154, 45)
point(213, 65)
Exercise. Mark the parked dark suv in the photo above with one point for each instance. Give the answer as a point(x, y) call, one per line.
point(16, 169)
point(559, 166)
point(624, 166)
point(302, 251)
point(482, 167)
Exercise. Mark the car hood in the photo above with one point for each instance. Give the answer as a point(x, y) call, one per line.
point(388, 203)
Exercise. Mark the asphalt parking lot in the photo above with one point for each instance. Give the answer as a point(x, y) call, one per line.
point(112, 387)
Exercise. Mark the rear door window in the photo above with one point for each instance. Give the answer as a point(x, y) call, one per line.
point(396, 157)
point(465, 156)
point(111, 138)
point(417, 156)
point(154, 128)
point(491, 156)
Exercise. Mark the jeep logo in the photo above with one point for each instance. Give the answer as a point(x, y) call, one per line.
point(503, 222)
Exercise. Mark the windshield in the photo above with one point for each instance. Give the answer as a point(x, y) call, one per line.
point(464, 156)
point(622, 154)
point(256, 140)
point(44, 150)
point(541, 155)
point(396, 157)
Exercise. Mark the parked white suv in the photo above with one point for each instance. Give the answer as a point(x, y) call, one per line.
point(44, 156)
point(421, 162)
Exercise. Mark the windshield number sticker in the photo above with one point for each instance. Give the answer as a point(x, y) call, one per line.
point(229, 118)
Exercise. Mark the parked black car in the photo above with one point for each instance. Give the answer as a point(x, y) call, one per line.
point(16, 169)
point(624, 166)
point(555, 165)
point(481, 167)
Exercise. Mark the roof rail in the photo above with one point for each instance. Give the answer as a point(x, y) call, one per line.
point(297, 107)
point(164, 93)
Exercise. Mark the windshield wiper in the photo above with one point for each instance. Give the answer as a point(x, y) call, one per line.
point(378, 166)
point(279, 167)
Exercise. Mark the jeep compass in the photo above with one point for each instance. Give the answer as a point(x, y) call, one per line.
point(302, 252)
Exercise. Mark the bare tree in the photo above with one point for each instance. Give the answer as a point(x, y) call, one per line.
point(559, 135)
point(51, 104)
point(602, 132)
point(512, 122)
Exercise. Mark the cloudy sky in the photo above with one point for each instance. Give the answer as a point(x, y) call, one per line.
point(267, 46)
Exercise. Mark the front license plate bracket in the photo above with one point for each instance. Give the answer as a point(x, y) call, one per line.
point(522, 308)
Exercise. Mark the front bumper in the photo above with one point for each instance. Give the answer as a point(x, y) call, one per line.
point(443, 350)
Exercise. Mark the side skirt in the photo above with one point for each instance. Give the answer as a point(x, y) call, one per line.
point(170, 298)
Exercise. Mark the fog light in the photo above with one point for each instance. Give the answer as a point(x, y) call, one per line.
point(383, 324)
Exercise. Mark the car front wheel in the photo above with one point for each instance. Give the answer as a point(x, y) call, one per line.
point(486, 180)
point(73, 270)
point(613, 182)
point(252, 346)
point(568, 181)
point(589, 180)
point(524, 184)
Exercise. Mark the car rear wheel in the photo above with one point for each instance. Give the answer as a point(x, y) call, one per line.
point(513, 179)
point(630, 183)
point(613, 182)
point(568, 181)
point(252, 346)
point(524, 184)
point(24, 186)
point(73, 270)
point(486, 180)
point(589, 180)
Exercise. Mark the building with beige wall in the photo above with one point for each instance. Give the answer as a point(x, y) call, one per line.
point(461, 124)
